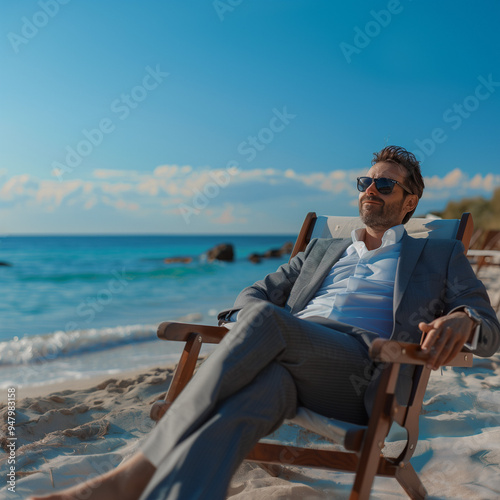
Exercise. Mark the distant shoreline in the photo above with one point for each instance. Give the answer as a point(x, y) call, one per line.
point(153, 235)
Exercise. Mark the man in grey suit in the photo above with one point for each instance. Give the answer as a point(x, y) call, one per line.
point(301, 337)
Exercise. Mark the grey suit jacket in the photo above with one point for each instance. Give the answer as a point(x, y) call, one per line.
point(433, 278)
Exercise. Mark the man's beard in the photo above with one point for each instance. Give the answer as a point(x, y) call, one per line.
point(381, 216)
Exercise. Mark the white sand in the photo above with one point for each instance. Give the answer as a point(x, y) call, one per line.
point(68, 432)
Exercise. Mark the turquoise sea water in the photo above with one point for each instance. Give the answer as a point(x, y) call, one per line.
point(75, 306)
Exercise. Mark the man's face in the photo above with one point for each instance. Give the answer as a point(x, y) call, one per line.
point(379, 211)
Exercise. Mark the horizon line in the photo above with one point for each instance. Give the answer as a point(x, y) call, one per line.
point(141, 234)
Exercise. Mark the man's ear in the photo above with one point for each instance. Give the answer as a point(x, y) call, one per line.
point(411, 202)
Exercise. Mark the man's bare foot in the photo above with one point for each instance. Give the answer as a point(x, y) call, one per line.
point(126, 482)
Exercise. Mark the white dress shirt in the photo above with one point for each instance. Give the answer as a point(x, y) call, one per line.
point(359, 289)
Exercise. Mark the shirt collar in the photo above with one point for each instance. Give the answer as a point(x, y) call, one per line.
point(390, 237)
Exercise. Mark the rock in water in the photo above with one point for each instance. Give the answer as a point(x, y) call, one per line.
point(255, 258)
point(286, 248)
point(272, 253)
point(224, 251)
point(182, 260)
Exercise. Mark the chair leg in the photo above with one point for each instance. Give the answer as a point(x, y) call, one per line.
point(377, 431)
point(182, 376)
point(411, 483)
point(158, 409)
point(363, 480)
point(186, 367)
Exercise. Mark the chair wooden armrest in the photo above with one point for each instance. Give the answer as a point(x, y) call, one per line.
point(170, 330)
point(391, 351)
point(194, 336)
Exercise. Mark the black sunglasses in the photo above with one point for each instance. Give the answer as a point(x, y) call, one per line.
point(384, 185)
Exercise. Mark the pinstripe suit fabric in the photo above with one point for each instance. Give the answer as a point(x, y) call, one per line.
point(266, 365)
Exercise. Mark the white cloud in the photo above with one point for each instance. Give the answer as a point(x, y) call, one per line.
point(335, 181)
point(53, 193)
point(256, 174)
point(458, 179)
point(165, 171)
point(90, 203)
point(16, 186)
point(227, 216)
point(149, 186)
point(451, 179)
point(338, 174)
point(487, 183)
point(116, 189)
point(171, 170)
point(103, 173)
point(216, 194)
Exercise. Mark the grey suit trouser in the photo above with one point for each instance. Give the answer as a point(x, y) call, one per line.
point(267, 364)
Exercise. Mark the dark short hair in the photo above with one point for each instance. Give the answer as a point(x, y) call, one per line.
point(414, 180)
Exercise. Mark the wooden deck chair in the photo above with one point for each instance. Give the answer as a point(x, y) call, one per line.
point(362, 444)
point(488, 245)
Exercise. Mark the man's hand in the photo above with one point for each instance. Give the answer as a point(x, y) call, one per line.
point(445, 337)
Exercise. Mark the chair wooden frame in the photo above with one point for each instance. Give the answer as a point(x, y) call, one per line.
point(487, 249)
point(363, 445)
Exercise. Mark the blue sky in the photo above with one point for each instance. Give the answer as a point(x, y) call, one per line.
point(233, 116)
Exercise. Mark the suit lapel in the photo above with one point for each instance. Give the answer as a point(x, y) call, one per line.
point(332, 255)
point(411, 248)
